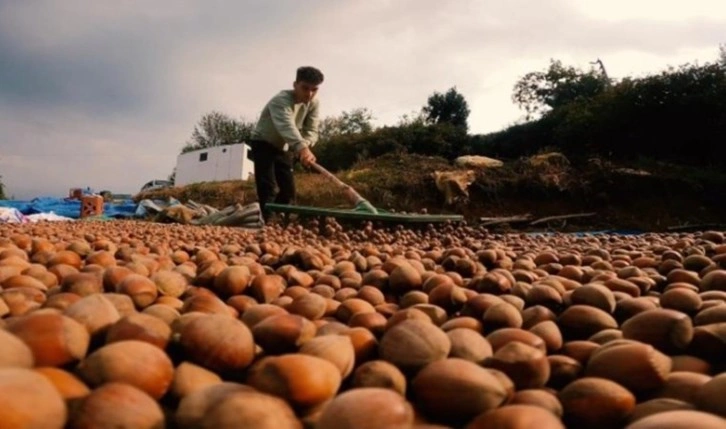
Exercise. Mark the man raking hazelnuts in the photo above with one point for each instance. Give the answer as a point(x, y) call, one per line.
point(288, 127)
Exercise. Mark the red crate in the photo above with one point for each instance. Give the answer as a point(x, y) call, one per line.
point(91, 205)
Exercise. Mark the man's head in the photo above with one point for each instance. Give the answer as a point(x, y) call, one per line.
point(306, 84)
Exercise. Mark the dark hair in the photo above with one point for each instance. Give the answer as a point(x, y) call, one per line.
point(310, 75)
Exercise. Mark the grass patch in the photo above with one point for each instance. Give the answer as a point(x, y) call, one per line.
point(668, 195)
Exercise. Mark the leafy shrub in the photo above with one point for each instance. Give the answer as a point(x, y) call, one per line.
point(444, 140)
point(516, 141)
point(678, 116)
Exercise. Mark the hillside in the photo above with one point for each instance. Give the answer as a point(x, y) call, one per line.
point(643, 195)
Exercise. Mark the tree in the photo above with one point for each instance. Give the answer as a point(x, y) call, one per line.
point(218, 129)
point(356, 121)
point(172, 176)
point(2, 189)
point(415, 118)
point(722, 55)
point(540, 91)
point(450, 107)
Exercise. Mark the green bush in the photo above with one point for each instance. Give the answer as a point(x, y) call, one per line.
point(443, 139)
point(516, 141)
point(677, 116)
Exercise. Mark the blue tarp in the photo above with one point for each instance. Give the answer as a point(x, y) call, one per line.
point(69, 207)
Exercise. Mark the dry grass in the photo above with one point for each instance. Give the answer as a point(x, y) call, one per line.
point(668, 196)
point(390, 182)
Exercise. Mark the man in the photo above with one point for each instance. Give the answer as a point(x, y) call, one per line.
point(286, 130)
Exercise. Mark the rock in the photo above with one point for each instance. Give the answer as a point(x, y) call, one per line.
point(549, 159)
point(476, 161)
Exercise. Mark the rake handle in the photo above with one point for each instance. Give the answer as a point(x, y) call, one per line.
point(319, 168)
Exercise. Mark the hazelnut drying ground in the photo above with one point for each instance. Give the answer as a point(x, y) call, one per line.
point(143, 325)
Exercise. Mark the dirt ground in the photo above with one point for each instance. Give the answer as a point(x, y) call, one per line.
point(642, 195)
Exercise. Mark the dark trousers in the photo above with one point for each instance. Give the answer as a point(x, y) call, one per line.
point(272, 167)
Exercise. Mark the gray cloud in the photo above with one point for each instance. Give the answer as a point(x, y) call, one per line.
point(112, 60)
point(105, 94)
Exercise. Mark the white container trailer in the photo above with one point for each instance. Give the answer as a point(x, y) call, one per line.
point(214, 164)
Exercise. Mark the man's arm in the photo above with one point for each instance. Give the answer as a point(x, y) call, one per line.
point(311, 131)
point(284, 121)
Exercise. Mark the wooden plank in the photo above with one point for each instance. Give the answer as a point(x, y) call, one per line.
point(696, 227)
point(489, 221)
point(561, 217)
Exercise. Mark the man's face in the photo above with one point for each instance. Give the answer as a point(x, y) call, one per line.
point(304, 91)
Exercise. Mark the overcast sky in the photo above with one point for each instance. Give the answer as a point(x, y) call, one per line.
point(105, 93)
